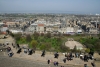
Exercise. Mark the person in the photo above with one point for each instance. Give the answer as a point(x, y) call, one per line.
point(64, 60)
point(10, 54)
point(25, 50)
point(57, 63)
point(48, 61)
point(85, 58)
point(85, 65)
point(56, 55)
point(18, 46)
point(92, 63)
point(19, 50)
point(12, 44)
point(8, 49)
point(30, 52)
point(43, 53)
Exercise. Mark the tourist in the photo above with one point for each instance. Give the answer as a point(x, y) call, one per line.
point(48, 61)
point(85, 65)
point(93, 64)
point(19, 50)
point(43, 53)
point(57, 63)
point(64, 60)
point(56, 55)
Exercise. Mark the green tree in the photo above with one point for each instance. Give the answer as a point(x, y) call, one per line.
point(22, 40)
point(45, 46)
point(74, 49)
point(28, 38)
point(33, 44)
point(64, 48)
point(97, 47)
point(48, 35)
point(87, 50)
point(17, 36)
point(36, 35)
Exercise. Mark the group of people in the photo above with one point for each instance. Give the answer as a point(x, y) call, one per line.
point(55, 63)
point(85, 58)
point(68, 56)
point(9, 51)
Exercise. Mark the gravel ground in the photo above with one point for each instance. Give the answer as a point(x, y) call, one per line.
point(6, 61)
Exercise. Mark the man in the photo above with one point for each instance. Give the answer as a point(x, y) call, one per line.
point(19, 50)
point(64, 60)
point(92, 63)
point(48, 61)
point(43, 53)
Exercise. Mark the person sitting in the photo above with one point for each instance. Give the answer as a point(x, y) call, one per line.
point(19, 50)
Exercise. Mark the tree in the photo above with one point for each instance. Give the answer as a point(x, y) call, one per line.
point(97, 47)
point(64, 48)
point(28, 38)
point(33, 44)
point(75, 49)
point(87, 50)
point(22, 40)
point(36, 35)
point(45, 46)
point(17, 36)
point(48, 35)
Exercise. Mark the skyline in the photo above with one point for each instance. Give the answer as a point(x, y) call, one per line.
point(50, 6)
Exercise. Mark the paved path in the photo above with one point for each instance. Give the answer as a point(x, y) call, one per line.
point(71, 43)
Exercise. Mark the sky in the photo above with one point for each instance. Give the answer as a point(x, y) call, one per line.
point(50, 6)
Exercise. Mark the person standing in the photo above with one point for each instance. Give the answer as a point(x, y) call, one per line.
point(48, 61)
point(64, 60)
point(57, 63)
point(93, 64)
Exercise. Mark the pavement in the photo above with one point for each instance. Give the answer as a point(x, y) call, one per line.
point(36, 57)
point(71, 44)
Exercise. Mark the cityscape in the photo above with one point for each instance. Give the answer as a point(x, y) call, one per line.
point(53, 23)
point(49, 33)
